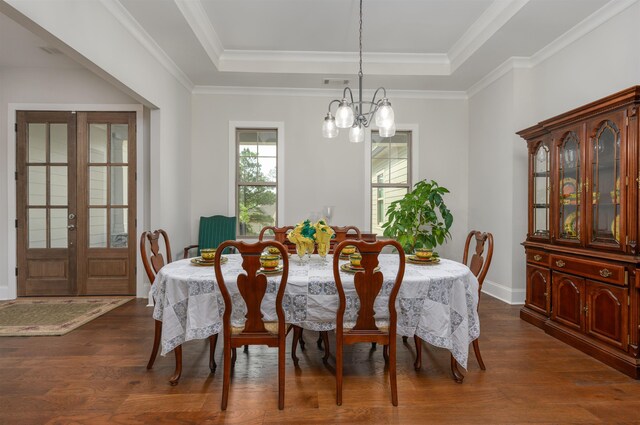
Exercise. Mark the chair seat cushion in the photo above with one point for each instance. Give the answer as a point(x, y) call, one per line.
point(383, 325)
point(271, 327)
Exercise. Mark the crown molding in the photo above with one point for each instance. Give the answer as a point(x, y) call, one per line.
point(285, 91)
point(135, 29)
point(490, 22)
point(196, 17)
point(591, 22)
point(493, 76)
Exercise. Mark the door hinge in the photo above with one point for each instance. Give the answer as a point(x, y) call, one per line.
point(16, 175)
point(15, 127)
point(16, 223)
point(136, 223)
point(16, 271)
point(136, 176)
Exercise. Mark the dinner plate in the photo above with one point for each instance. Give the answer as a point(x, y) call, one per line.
point(615, 228)
point(347, 267)
point(270, 272)
point(570, 225)
point(415, 260)
point(199, 261)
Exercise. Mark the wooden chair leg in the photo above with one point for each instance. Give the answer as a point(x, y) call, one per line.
point(319, 341)
point(226, 375)
point(339, 373)
point(374, 346)
point(457, 375)
point(405, 339)
point(325, 339)
point(418, 363)
point(233, 357)
point(213, 340)
point(476, 349)
point(176, 374)
point(385, 353)
point(391, 348)
point(297, 331)
point(302, 343)
point(281, 359)
point(246, 349)
point(156, 344)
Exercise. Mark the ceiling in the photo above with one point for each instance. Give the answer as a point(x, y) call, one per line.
point(408, 44)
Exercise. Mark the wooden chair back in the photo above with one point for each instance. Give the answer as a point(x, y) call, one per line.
point(343, 233)
point(252, 286)
point(153, 260)
point(479, 264)
point(279, 235)
point(368, 284)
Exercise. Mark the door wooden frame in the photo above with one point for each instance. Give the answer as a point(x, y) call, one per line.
point(142, 186)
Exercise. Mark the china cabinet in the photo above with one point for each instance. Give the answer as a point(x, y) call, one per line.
point(581, 247)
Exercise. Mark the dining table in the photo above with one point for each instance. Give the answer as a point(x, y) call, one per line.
point(437, 302)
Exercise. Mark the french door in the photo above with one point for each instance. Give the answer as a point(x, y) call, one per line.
point(76, 203)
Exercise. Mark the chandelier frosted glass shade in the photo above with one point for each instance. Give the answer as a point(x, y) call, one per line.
point(356, 134)
point(344, 115)
point(385, 117)
point(329, 128)
point(387, 131)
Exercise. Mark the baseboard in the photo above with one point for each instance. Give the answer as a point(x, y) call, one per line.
point(503, 293)
point(4, 294)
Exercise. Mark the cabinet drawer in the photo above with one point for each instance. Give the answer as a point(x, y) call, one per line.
point(538, 257)
point(604, 272)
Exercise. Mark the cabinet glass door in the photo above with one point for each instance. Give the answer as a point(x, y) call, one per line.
point(605, 173)
point(570, 187)
point(541, 192)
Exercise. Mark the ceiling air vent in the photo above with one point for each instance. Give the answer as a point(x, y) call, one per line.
point(335, 82)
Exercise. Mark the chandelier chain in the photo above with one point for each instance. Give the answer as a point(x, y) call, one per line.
point(360, 72)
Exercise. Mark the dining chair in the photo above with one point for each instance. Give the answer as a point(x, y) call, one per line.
point(153, 261)
point(343, 233)
point(212, 232)
point(479, 266)
point(364, 327)
point(252, 287)
point(279, 235)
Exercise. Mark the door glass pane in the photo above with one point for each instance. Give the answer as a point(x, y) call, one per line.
point(257, 208)
point(119, 228)
point(119, 142)
point(119, 184)
point(97, 227)
point(37, 137)
point(58, 142)
point(58, 185)
point(37, 185)
point(59, 232)
point(98, 143)
point(380, 200)
point(605, 169)
point(570, 185)
point(37, 225)
point(541, 192)
point(97, 185)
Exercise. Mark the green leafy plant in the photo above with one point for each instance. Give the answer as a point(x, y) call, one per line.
point(420, 219)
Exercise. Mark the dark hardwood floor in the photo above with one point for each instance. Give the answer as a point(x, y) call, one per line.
point(96, 375)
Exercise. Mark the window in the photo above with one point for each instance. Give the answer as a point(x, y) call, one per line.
point(256, 179)
point(390, 173)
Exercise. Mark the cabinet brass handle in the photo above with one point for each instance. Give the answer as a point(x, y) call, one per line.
point(560, 263)
point(546, 295)
point(605, 273)
point(586, 309)
point(537, 257)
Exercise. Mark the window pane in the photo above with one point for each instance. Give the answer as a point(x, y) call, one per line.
point(59, 232)
point(267, 170)
point(250, 137)
point(58, 142)
point(379, 148)
point(256, 208)
point(37, 224)
point(119, 184)
point(398, 170)
point(380, 200)
point(37, 185)
point(98, 143)
point(37, 142)
point(97, 185)
point(268, 137)
point(119, 142)
point(58, 185)
point(97, 227)
point(119, 228)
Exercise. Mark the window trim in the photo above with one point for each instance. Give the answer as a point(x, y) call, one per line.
point(413, 164)
point(232, 186)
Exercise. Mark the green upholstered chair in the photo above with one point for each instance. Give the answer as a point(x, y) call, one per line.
point(213, 231)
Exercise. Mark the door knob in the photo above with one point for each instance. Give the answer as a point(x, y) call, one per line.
point(71, 227)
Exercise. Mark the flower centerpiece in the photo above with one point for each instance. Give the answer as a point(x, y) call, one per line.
point(323, 235)
point(306, 235)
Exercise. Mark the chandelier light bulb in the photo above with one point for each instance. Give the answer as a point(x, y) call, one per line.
point(329, 129)
point(385, 117)
point(344, 115)
point(387, 131)
point(356, 134)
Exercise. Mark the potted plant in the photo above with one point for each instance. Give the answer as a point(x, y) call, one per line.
point(420, 219)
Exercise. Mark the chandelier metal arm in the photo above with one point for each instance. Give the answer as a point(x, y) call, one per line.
point(332, 102)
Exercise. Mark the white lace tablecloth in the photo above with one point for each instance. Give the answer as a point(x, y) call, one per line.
point(436, 302)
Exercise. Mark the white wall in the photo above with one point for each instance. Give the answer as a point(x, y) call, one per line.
point(599, 63)
point(319, 171)
point(88, 32)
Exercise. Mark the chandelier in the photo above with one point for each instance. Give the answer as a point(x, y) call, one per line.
point(352, 114)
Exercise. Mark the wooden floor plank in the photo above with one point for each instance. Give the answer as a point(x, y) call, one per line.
point(96, 375)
